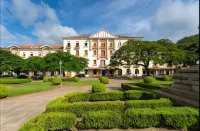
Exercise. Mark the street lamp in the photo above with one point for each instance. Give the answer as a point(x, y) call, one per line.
point(60, 63)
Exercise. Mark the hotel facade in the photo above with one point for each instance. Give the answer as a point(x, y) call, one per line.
point(97, 48)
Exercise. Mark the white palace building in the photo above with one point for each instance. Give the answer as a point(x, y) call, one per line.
point(97, 48)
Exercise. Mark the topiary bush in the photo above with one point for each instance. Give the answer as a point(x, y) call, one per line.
point(104, 80)
point(139, 95)
point(46, 79)
point(148, 79)
point(131, 78)
point(99, 87)
point(3, 91)
point(76, 79)
point(56, 81)
point(68, 79)
point(51, 121)
point(78, 96)
point(107, 96)
point(101, 120)
point(167, 78)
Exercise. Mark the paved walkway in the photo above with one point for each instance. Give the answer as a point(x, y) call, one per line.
point(16, 111)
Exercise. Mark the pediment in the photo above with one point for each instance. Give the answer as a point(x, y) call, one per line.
point(102, 34)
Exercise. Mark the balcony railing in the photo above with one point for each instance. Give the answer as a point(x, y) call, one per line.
point(102, 47)
point(94, 47)
point(102, 56)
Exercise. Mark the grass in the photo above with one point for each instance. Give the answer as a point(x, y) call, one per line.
point(81, 83)
point(26, 88)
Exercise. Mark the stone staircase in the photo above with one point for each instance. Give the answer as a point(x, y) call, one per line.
point(185, 89)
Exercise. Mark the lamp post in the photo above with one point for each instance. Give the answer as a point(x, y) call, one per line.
point(60, 63)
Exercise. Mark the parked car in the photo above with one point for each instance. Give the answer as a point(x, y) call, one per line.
point(128, 75)
point(22, 76)
point(80, 75)
point(38, 77)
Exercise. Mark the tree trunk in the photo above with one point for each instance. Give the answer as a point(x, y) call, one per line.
point(147, 69)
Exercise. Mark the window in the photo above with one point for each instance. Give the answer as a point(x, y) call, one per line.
point(128, 71)
point(86, 71)
point(24, 54)
point(39, 53)
point(111, 45)
point(68, 45)
point(102, 63)
point(31, 54)
point(94, 45)
point(77, 45)
point(103, 53)
point(102, 45)
point(136, 71)
point(111, 52)
point(119, 44)
point(86, 53)
point(94, 72)
point(94, 62)
point(94, 52)
point(77, 53)
point(86, 44)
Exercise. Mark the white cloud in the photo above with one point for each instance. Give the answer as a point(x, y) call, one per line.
point(174, 20)
point(6, 35)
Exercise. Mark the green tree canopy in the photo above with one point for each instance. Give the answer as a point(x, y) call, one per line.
point(190, 44)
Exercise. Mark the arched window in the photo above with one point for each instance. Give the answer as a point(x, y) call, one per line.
point(77, 44)
point(31, 54)
point(68, 44)
point(24, 54)
point(136, 71)
point(128, 71)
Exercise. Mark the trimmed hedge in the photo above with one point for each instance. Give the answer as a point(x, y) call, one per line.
point(149, 85)
point(130, 86)
point(67, 79)
point(141, 117)
point(14, 81)
point(176, 117)
point(148, 79)
point(46, 79)
point(139, 95)
point(76, 79)
point(81, 107)
point(101, 120)
point(104, 80)
point(131, 78)
point(163, 102)
point(98, 87)
point(164, 78)
point(78, 96)
point(3, 91)
point(180, 117)
point(56, 81)
point(51, 121)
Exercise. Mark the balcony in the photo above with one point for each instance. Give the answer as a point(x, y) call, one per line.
point(94, 47)
point(102, 65)
point(76, 47)
point(102, 47)
point(102, 56)
point(68, 47)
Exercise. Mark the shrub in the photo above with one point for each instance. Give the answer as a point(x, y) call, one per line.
point(139, 95)
point(50, 79)
point(81, 107)
point(99, 87)
point(131, 78)
point(78, 96)
point(179, 117)
point(67, 79)
point(108, 95)
point(3, 91)
point(163, 102)
point(149, 85)
point(104, 80)
point(46, 79)
point(141, 117)
point(14, 81)
point(101, 120)
point(56, 81)
point(164, 78)
point(159, 78)
point(76, 79)
point(148, 79)
point(51, 121)
point(130, 86)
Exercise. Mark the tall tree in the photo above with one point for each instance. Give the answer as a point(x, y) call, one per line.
point(35, 64)
point(136, 52)
point(190, 44)
point(173, 55)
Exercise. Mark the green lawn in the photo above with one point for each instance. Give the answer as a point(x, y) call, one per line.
point(80, 83)
point(25, 88)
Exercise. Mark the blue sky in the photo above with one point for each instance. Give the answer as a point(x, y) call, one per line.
point(39, 22)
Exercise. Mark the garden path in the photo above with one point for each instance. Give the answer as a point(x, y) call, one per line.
point(16, 111)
